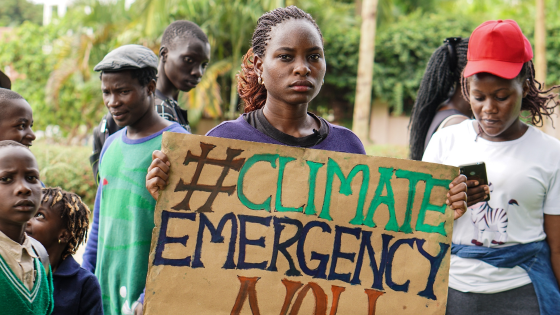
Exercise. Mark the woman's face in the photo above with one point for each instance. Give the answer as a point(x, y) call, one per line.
point(496, 104)
point(293, 66)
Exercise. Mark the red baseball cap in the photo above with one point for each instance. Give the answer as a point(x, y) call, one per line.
point(498, 47)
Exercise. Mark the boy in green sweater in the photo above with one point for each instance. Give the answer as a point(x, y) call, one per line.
point(119, 243)
point(25, 282)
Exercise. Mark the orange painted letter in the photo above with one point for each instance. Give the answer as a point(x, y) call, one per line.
point(247, 288)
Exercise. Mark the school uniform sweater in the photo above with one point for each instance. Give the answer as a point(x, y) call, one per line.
point(76, 290)
point(119, 244)
point(17, 299)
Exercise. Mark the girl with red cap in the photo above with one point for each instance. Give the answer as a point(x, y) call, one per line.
point(504, 259)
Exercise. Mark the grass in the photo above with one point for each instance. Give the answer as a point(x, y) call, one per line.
point(387, 150)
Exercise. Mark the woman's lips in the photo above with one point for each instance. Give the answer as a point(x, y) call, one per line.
point(301, 88)
point(491, 122)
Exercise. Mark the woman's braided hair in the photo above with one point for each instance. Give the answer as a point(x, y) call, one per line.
point(442, 77)
point(248, 87)
point(536, 102)
point(74, 213)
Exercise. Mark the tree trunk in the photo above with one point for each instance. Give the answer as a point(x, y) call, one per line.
point(540, 60)
point(540, 42)
point(362, 105)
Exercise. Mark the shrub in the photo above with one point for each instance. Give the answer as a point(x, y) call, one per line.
point(67, 167)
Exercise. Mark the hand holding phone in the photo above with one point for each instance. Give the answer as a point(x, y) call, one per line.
point(476, 172)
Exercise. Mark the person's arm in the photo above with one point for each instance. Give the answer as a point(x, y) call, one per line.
point(552, 230)
point(90, 254)
point(90, 299)
point(158, 173)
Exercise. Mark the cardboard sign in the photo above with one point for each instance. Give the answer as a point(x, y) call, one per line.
point(253, 228)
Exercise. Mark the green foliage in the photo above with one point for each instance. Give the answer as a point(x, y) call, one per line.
point(54, 63)
point(403, 50)
point(66, 167)
point(14, 12)
point(60, 89)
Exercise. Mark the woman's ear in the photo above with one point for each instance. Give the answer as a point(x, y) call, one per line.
point(64, 236)
point(526, 87)
point(163, 53)
point(258, 62)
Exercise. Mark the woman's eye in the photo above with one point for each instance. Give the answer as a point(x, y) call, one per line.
point(501, 99)
point(5, 179)
point(314, 57)
point(285, 57)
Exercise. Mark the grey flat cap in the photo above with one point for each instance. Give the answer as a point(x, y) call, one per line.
point(128, 57)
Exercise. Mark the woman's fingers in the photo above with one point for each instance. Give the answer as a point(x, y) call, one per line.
point(460, 196)
point(477, 194)
point(457, 196)
point(459, 210)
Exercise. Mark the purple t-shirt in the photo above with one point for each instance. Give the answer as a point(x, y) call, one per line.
point(339, 138)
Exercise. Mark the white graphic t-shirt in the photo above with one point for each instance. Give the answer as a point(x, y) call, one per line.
point(524, 185)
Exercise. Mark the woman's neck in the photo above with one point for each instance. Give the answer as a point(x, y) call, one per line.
point(457, 102)
point(513, 132)
point(55, 255)
point(290, 119)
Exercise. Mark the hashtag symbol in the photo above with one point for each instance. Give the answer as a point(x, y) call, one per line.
point(227, 164)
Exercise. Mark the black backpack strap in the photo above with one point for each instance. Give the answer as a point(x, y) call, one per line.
point(40, 251)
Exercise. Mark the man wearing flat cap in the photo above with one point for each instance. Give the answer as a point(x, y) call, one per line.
point(119, 244)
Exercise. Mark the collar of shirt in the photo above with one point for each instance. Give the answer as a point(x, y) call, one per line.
point(67, 268)
point(15, 249)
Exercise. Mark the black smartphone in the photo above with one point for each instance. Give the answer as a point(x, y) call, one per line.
point(475, 171)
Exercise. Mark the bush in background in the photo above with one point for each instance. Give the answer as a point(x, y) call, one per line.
point(67, 167)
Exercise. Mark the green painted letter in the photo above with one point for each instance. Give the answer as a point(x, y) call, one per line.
point(346, 189)
point(270, 158)
point(427, 206)
point(313, 169)
point(413, 179)
point(388, 200)
point(278, 202)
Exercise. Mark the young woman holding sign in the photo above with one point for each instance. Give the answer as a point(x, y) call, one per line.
point(510, 262)
point(281, 73)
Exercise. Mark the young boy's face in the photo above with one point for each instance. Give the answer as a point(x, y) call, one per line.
point(125, 97)
point(47, 225)
point(20, 188)
point(16, 122)
point(186, 62)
